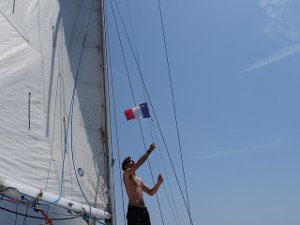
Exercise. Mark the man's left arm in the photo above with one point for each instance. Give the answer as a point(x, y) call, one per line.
point(153, 190)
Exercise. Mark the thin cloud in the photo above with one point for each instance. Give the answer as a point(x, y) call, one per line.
point(281, 144)
point(282, 54)
point(282, 25)
point(282, 19)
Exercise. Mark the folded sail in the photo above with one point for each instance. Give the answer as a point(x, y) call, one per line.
point(46, 47)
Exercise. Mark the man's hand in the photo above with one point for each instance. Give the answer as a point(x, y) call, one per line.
point(152, 147)
point(160, 179)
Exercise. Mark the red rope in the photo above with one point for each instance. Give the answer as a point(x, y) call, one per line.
point(17, 201)
point(47, 218)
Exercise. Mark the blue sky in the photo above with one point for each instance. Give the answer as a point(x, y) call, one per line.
point(236, 79)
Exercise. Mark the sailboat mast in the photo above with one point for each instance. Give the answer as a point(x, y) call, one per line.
point(107, 128)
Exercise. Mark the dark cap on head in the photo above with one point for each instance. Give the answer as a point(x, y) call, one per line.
point(125, 162)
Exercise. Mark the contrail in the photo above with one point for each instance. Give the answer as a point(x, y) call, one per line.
point(282, 54)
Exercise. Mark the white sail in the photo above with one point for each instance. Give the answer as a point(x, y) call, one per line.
point(48, 48)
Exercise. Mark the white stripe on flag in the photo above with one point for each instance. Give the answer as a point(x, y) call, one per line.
point(137, 112)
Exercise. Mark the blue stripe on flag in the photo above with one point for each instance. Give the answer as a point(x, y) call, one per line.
point(145, 110)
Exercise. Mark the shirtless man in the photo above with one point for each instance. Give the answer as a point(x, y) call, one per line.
point(137, 211)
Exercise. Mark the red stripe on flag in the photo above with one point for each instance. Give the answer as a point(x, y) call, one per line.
point(129, 114)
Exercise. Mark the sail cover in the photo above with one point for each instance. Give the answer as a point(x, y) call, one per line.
point(48, 141)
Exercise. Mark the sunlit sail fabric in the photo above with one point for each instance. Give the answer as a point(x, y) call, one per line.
point(44, 45)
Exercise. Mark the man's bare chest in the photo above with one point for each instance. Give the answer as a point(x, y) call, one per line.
point(135, 182)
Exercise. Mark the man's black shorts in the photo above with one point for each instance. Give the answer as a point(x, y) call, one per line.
point(138, 215)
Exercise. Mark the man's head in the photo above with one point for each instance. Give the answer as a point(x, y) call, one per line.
point(127, 163)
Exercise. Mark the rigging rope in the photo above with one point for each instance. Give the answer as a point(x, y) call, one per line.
point(133, 97)
point(47, 218)
point(32, 206)
point(174, 105)
point(156, 118)
point(118, 149)
point(38, 217)
point(28, 204)
point(116, 128)
point(131, 27)
point(16, 219)
point(175, 214)
point(13, 9)
point(25, 217)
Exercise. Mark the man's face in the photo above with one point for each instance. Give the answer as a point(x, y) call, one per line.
point(129, 163)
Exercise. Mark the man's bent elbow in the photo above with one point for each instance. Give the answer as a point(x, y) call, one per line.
point(152, 193)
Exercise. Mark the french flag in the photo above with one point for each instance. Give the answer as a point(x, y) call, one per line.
point(140, 111)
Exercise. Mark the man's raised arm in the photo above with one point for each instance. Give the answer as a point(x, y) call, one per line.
point(141, 160)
